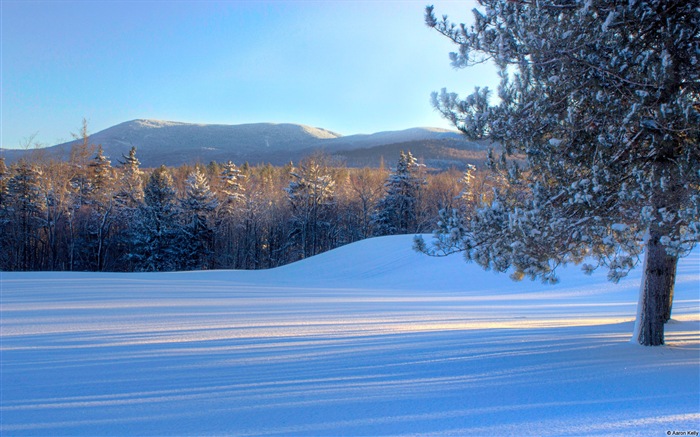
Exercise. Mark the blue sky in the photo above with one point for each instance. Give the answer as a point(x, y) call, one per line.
point(347, 66)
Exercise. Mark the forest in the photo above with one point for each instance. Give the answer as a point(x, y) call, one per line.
point(91, 213)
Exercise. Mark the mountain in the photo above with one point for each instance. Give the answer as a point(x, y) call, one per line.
point(440, 154)
point(175, 143)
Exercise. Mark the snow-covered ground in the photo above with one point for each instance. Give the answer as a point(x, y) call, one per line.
point(369, 339)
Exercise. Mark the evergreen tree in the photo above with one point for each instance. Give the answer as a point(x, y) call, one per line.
point(100, 209)
point(602, 98)
point(467, 194)
point(310, 194)
point(128, 198)
point(233, 224)
point(23, 217)
point(100, 170)
point(4, 217)
point(129, 193)
point(232, 185)
point(80, 205)
point(398, 212)
point(157, 233)
point(55, 198)
point(198, 207)
point(90, 212)
point(4, 175)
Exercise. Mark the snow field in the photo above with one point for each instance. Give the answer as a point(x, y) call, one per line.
point(368, 339)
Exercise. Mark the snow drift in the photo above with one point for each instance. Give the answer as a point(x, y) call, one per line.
point(368, 339)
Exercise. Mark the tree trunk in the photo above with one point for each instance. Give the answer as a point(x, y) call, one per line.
point(672, 264)
point(655, 292)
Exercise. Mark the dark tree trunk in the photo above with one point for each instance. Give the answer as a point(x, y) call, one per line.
point(655, 294)
point(672, 264)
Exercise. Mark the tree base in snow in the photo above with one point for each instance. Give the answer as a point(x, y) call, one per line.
point(655, 293)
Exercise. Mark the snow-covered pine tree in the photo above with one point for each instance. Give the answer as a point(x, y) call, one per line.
point(310, 194)
point(100, 170)
point(23, 210)
point(128, 198)
point(198, 206)
point(129, 192)
point(100, 210)
point(89, 182)
point(157, 234)
point(467, 181)
point(398, 212)
point(56, 199)
point(232, 185)
point(4, 176)
point(4, 216)
point(603, 99)
point(233, 221)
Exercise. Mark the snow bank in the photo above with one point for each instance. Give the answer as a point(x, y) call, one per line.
point(369, 339)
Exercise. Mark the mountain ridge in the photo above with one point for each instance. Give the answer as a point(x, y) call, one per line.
point(164, 142)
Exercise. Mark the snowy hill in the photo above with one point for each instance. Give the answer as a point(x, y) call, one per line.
point(174, 143)
point(369, 339)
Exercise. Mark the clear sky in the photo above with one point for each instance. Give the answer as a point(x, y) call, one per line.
point(347, 66)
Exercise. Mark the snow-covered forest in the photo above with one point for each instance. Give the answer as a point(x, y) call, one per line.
point(99, 213)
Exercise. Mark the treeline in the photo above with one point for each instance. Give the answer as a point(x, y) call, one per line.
point(89, 215)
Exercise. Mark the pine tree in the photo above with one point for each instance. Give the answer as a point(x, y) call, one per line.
point(23, 215)
point(4, 174)
point(198, 207)
point(157, 237)
point(54, 197)
point(129, 193)
point(101, 210)
point(90, 212)
point(310, 194)
point(128, 198)
point(4, 217)
point(467, 194)
point(233, 218)
point(602, 99)
point(232, 185)
point(100, 170)
point(399, 211)
point(82, 201)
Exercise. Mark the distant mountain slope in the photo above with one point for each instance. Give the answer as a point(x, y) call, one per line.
point(175, 143)
point(441, 153)
point(351, 142)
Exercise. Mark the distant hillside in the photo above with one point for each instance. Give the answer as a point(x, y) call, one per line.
point(174, 143)
point(439, 154)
